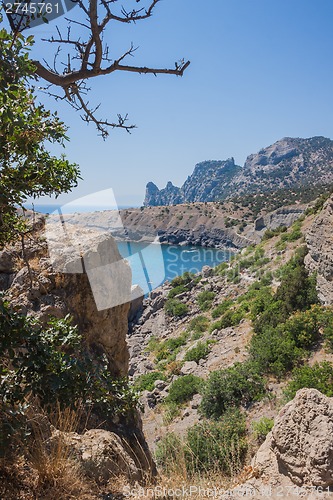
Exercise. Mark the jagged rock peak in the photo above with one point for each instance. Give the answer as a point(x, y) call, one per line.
point(207, 183)
point(288, 163)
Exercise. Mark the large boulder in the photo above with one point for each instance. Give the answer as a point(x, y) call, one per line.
point(297, 455)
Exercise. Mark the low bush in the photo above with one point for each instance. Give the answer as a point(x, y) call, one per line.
point(270, 233)
point(231, 318)
point(177, 290)
point(183, 280)
point(199, 324)
point(275, 352)
point(261, 428)
point(200, 351)
point(205, 300)
point(176, 308)
point(170, 347)
point(145, 382)
point(238, 385)
point(221, 308)
point(217, 446)
point(319, 376)
point(183, 388)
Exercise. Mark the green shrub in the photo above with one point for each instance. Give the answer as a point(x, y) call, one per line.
point(51, 363)
point(205, 300)
point(221, 308)
point(275, 351)
point(326, 323)
point(200, 351)
point(176, 291)
point(230, 318)
point(183, 388)
point(184, 279)
point(261, 428)
point(235, 386)
point(170, 347)
point(217, 446)
point(145, 382)
point(319, 376)
point(199, 324)
point(270, 233)
point(176, 308)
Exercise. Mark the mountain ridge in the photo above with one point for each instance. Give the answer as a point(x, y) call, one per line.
point(289, 162)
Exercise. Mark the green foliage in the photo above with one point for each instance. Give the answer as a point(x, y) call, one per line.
point(49, 363)
point(205, 300)
point(221, 308)
point(145, 382)
point(297, 291)
point(235, 386)
point(230, 318)
point(274, 351)
point(200, 351)
point(326, 324)
point(26, 166)
point(176, 308)
point(217, 446)
point(262, 427)
point(199, 324)
point(170, 347)
point(183, 280)
point(270, 233)
point(319, 376)
point(183, 388)
point(176, 291)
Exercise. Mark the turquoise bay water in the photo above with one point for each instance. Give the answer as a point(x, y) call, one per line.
point(153, 264)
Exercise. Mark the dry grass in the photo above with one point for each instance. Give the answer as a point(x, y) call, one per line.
point(45, 468)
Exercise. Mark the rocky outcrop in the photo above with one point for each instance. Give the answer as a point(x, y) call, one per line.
point(77, 272)
point(319, 239)
point(290, 162)
point(104, 455)
point(298, 452)
point(209, 182)
point(284, 216)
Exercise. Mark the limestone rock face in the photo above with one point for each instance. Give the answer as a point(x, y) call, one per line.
point(104, 454)
point(298, 452)
point(302, 440)
point(284, 216)
point(319, 240)
point(84, 276)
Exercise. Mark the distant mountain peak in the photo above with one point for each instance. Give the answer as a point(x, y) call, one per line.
point(291, 161)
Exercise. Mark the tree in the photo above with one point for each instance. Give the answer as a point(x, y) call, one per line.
point(26, 166)
point(87, 54)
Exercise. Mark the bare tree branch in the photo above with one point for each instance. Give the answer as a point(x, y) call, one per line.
point(90, 58)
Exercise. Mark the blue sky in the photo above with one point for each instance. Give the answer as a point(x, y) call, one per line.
point(260, 70)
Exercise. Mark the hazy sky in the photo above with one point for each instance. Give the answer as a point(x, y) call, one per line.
point(260, 70)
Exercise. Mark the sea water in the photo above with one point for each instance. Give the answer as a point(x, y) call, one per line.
point(152, 263)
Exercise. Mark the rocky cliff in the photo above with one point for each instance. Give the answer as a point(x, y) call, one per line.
point(319, 239)
point(48, 279)
point(297, 455)
point(209, 182)
point(288, 163)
